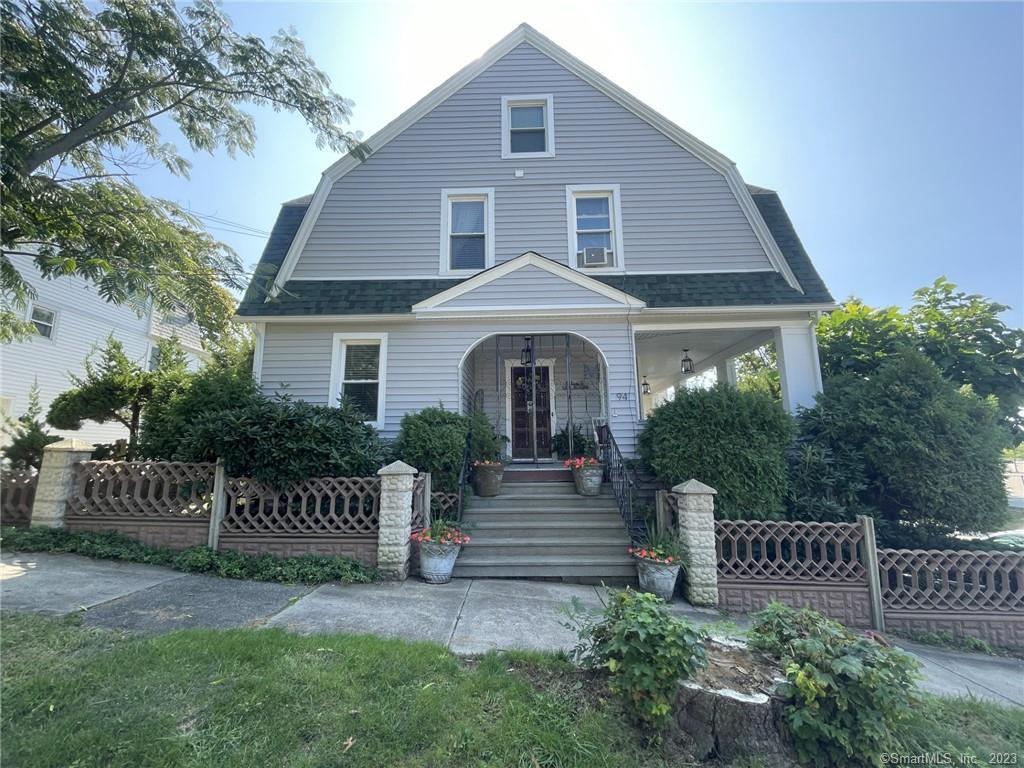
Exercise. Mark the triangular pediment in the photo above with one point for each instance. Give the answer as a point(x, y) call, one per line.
point(529, 282)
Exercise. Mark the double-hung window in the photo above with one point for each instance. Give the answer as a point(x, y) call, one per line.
point(527, 126)
point(467, 230)
point(595, 224)
point(45, 320)
point(357, 372)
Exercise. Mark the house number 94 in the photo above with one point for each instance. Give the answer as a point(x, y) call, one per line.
point(622, 395)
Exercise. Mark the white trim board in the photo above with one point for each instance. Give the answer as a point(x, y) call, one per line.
point(524, 33)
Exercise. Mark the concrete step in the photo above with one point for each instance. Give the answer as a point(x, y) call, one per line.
point(544, 502)
point(613, 569)
point(533, 515)
point(525, 549)
point(544, 528)
point(528, 488)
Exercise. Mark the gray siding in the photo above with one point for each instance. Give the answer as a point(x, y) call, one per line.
point(423, 365)
point(678, 213)
point(531, 286)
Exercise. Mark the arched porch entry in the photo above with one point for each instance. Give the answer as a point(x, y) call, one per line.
point(543, 391)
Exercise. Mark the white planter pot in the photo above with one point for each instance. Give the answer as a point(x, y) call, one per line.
point(437, 561)
point(588, 480)
point(657, 578)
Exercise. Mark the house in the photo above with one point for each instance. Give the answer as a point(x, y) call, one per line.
point(73, 320)
point(531, 240)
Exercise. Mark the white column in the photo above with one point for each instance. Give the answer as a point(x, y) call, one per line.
point(726, 371)
point(396, 481)
point(56, 481)
point(799, 371)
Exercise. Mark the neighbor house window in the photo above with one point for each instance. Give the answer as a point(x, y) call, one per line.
point(595, 237)
point(357, 373)
point(467, 227)
point(527, 126)
point(45, 320)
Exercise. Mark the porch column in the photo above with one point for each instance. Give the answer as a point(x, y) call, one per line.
point(799, 370)
point(726, 371)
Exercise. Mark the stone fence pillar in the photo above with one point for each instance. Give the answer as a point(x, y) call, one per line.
point(696, 529)
point(56, 481)
point(393, 548)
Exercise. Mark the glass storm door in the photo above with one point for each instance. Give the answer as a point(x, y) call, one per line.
point(525, 432)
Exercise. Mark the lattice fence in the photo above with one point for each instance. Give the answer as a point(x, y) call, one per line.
point(320, 505)
point(159, 489)
point(790, 551)
point(444, 504)
point(420, 505)
point(945, 580)
point(17, 493)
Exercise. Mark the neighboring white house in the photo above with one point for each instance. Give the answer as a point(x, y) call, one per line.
point(531, 240)
point(73, 320)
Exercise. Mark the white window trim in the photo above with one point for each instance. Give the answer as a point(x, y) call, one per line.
point(545, 100)
point(53, 326)
point(572, 191)
point(340, 341)
point(449, 195)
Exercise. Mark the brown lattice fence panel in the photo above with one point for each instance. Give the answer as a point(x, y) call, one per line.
point(946, 580)
point(17, 493)
point(319, 505)
point(790, 551)
point(148, 489)
point(420, 510)
point(444, 504)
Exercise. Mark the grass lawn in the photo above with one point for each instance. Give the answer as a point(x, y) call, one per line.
point(74, 696)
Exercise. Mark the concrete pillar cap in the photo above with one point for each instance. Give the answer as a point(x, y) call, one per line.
point(397, 468)
point(71, 444)
point(694, 486)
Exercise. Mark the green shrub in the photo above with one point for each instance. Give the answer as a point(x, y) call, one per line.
point(645, 649)
point(581, 444)
point(225, 384)
point(734, 441)
point(28, 436)
point(847, 695)
point(434, 440)
point(923, 456)
point(485, 444)
point(307, 569)
point(280, 441)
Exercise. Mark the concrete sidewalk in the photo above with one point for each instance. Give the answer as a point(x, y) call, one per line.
point(469, 616)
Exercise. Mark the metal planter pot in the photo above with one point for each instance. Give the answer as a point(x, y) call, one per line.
point(487, 479)
point(657, 578)
point(588, 480)
point(437, 561)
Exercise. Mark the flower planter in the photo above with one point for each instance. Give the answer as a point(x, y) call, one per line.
point(659, 578)
point(588, 480)
point(437, 561)
point(487, 479)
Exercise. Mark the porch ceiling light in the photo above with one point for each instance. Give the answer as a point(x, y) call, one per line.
point(526, 355)
point(686, 364)
point(645, 387)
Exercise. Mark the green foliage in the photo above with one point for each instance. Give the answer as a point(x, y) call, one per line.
point(226, 383)
point(307, 569)
point(848, 695)
point(485, 444)
point(582, 445)
point(734, 441)
point(87, 90)
point(28, 436)
point(758, 371)
point(645, 649)
point(822, 486)
point(434, 440)
point(280, 441)
point(960, 333)
point(117, 389)
point(910, 448)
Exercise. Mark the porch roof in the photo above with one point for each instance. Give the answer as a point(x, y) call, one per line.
point(372, 297)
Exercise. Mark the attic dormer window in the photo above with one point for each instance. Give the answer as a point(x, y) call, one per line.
point(527, 127)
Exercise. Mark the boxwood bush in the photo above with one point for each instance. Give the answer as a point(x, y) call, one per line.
point(732, 440)
point(434, 440)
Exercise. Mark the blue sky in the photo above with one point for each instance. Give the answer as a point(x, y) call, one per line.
point(893, 132)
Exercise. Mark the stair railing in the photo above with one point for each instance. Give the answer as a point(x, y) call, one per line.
point(623, 484)
point(463, 479)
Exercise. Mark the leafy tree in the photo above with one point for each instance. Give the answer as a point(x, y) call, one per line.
point(758, 371)
point(920, 454)
point(28, 436)
point(86, 91)
point(117, 389)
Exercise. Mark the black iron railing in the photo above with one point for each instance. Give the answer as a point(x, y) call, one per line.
point(463, 479)
point(623, 484)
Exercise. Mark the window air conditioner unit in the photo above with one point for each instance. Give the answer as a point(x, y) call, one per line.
point(595, 257)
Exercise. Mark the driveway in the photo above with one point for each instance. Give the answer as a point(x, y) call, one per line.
point(469, 616)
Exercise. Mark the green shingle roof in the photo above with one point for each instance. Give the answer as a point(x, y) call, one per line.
point(370, 297)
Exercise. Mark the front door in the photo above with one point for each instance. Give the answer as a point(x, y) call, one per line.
point(523, 433)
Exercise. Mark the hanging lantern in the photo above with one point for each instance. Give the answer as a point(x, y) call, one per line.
point(526, 355)
point(686, 364)
point(645, 387)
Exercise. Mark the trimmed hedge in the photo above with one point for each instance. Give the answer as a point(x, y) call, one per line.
point(434, 440)
point(307, 569)
point(734, 441)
